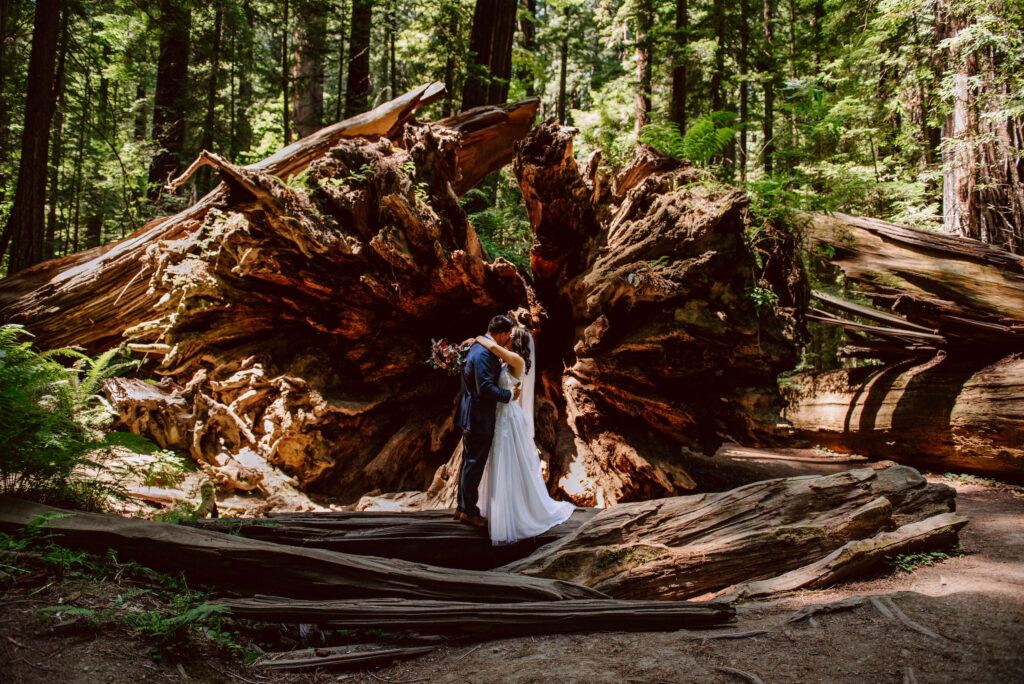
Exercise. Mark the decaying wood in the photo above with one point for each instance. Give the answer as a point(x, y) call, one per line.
point(293, 320)
point(645, 277)
point(689, 546)
point(338, 658)
point(969, 292)
point(254, 565)
point(548, 617)
point(424, 537)
point(961, 411)
point(859, 558)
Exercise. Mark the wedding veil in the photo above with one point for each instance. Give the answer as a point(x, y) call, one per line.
point(529, 385)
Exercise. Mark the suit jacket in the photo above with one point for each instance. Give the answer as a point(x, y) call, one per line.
point(480, 392)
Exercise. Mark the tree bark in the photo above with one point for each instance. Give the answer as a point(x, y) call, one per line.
point(647, 364)
point(644, 21)
point(204, 180)
point(527, 26)
point(767, 67)
point(563, 69)
point(172, 93)
point(490, 42)
point(325, 237)
point(26, 228)
point(357, 89)
point(310, 50)
point(970, 293)
point(679, 71)
point(948, 412)
point(286, 117)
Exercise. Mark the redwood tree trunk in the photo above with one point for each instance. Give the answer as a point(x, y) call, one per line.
point(357, 88)
point(310, 49)
point(644, 44)
point(26, 225)
point(490, 42)
point(172, 93)
point(679, 72)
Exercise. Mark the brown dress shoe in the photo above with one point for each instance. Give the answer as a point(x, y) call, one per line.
point(458, 516)
point(475, 520)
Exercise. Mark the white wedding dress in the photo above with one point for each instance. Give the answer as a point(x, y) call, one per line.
point(513, 496)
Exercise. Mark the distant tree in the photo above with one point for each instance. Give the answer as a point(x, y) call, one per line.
point(490, 43)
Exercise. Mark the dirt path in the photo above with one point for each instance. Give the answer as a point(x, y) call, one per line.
point(974, 604)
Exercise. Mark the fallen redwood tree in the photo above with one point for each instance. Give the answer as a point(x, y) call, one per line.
point(765, 537)
point(949, 322)
point(290, 310)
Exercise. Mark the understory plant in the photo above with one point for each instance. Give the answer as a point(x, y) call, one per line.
point(51, 421)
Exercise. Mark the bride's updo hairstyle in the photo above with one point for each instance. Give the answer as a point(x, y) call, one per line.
point(521, 345)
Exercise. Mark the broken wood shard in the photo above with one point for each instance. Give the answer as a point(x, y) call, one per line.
point(549, 617)
point(253, 565)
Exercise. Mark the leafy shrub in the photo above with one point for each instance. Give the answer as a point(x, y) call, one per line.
point(49, 421)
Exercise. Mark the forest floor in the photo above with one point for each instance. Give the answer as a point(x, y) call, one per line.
point(959, 619)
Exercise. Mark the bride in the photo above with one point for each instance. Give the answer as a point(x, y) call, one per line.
point(513, 497)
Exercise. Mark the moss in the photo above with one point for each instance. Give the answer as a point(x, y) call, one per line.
point(623, 558)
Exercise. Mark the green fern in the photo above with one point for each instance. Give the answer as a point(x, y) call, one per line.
point(707, 136)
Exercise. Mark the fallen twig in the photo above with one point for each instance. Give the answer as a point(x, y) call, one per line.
point(733, 635)
point(752, 678)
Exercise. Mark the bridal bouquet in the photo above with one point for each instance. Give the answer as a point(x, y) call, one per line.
point(447, 356)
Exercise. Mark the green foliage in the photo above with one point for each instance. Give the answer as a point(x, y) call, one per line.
point(501, 222)
point(908, 562)
point(706, 137)
point(49, 416)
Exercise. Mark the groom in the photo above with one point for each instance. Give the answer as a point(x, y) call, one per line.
point(475, 415)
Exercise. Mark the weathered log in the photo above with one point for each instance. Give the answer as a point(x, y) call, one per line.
point(645, 277)
point(859, 558)
point(949, 412)
point(688, 546)
point(550, 617)
point(425, 537)
point(253, 565)
point(970, 292)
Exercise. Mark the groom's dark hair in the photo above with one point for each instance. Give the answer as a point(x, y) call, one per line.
point(500, 324)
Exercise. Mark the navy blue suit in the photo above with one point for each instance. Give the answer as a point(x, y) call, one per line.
point(475, 415)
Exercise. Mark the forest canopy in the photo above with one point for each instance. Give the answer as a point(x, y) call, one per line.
point(906, 110)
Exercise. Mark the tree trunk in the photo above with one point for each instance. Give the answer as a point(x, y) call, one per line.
point(528, 27)
point(247, 67)
point(490, 42)
point(204, 180)
point(969, 293)
point(718, 73)
point(310, 50)
point(171, 102)
point(563, 70)
point(983, 176)
point(679, 71)
point(644, 44)
point(340, 101)
point(26, 228)
point(743, 62)
point(357, 89)
point(5, 113)
point(766, 65)
point(286, 117)
point(947, 413)
point(690, 546)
